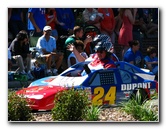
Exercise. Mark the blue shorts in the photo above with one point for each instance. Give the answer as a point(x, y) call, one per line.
point(54, 33)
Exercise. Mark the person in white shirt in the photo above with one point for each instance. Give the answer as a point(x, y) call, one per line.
point(72, 57)
point(47, 51)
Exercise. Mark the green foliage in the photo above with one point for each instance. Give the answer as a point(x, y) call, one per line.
point(17, 108)
point(93, 113)
point(140, 96)
point(140, 111)
point(70, 105)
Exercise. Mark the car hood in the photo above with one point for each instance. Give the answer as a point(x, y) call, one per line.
point(43, 81)
point(38, 92)
point(68, 81)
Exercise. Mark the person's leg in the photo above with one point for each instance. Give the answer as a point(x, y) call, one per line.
point(28, 65)
point(48, 61)
point(58, 60)
point(28, 62)
point(20, 62)
point(9, 65)
point(45, 59)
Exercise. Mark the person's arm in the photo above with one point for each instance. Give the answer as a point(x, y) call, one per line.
point(87, 40)
point(30, 16)
point(48, 21)
point(72, 48)
point(131, 16)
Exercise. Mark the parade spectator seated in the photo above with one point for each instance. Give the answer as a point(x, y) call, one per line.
point(80, 48)
point(133, 55)
point(47, 52)
point(151, 61)
point(20, 52)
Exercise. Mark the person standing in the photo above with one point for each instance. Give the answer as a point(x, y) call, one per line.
point(51, 20)
point(66, 16)
point(108, 23)
point(125, 35)
point(36, 23)
point(15, 20)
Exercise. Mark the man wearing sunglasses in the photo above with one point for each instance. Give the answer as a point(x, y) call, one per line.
point(47, 51)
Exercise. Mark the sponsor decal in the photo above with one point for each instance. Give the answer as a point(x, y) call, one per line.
point(128, 87)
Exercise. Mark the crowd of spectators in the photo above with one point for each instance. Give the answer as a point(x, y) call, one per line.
point(123, 25)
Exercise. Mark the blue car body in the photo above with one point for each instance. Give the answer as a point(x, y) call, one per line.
point(105, 86)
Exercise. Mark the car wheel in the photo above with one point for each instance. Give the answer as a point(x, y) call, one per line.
point(140, 95)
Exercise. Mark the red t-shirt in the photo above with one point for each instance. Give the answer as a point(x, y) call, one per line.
point(49, 17)
point(108, 23)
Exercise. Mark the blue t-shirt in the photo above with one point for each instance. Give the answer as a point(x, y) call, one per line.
point(135, 57)
point(148, 59)
point(49, 46)
point(39, 17)
point(66, 16)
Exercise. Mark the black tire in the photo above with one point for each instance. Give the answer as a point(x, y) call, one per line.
point(143, 94)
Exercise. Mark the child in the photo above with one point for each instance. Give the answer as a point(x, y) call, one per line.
point(151, 60)
point(80, 48)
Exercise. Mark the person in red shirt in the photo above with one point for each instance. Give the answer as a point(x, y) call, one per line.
point(51, 20)
point(108, 22)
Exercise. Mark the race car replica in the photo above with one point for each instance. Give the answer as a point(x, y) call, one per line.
point(106, 86)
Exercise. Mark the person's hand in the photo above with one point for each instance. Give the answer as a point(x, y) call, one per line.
point(38, 29)
point(88, 39)
point(70, 47)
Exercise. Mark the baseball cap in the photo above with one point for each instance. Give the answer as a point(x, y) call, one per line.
point(47, 28)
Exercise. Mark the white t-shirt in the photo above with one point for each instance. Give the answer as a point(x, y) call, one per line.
point(73, 55)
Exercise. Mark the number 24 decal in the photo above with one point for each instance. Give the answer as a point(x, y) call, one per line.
point(99, 95)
